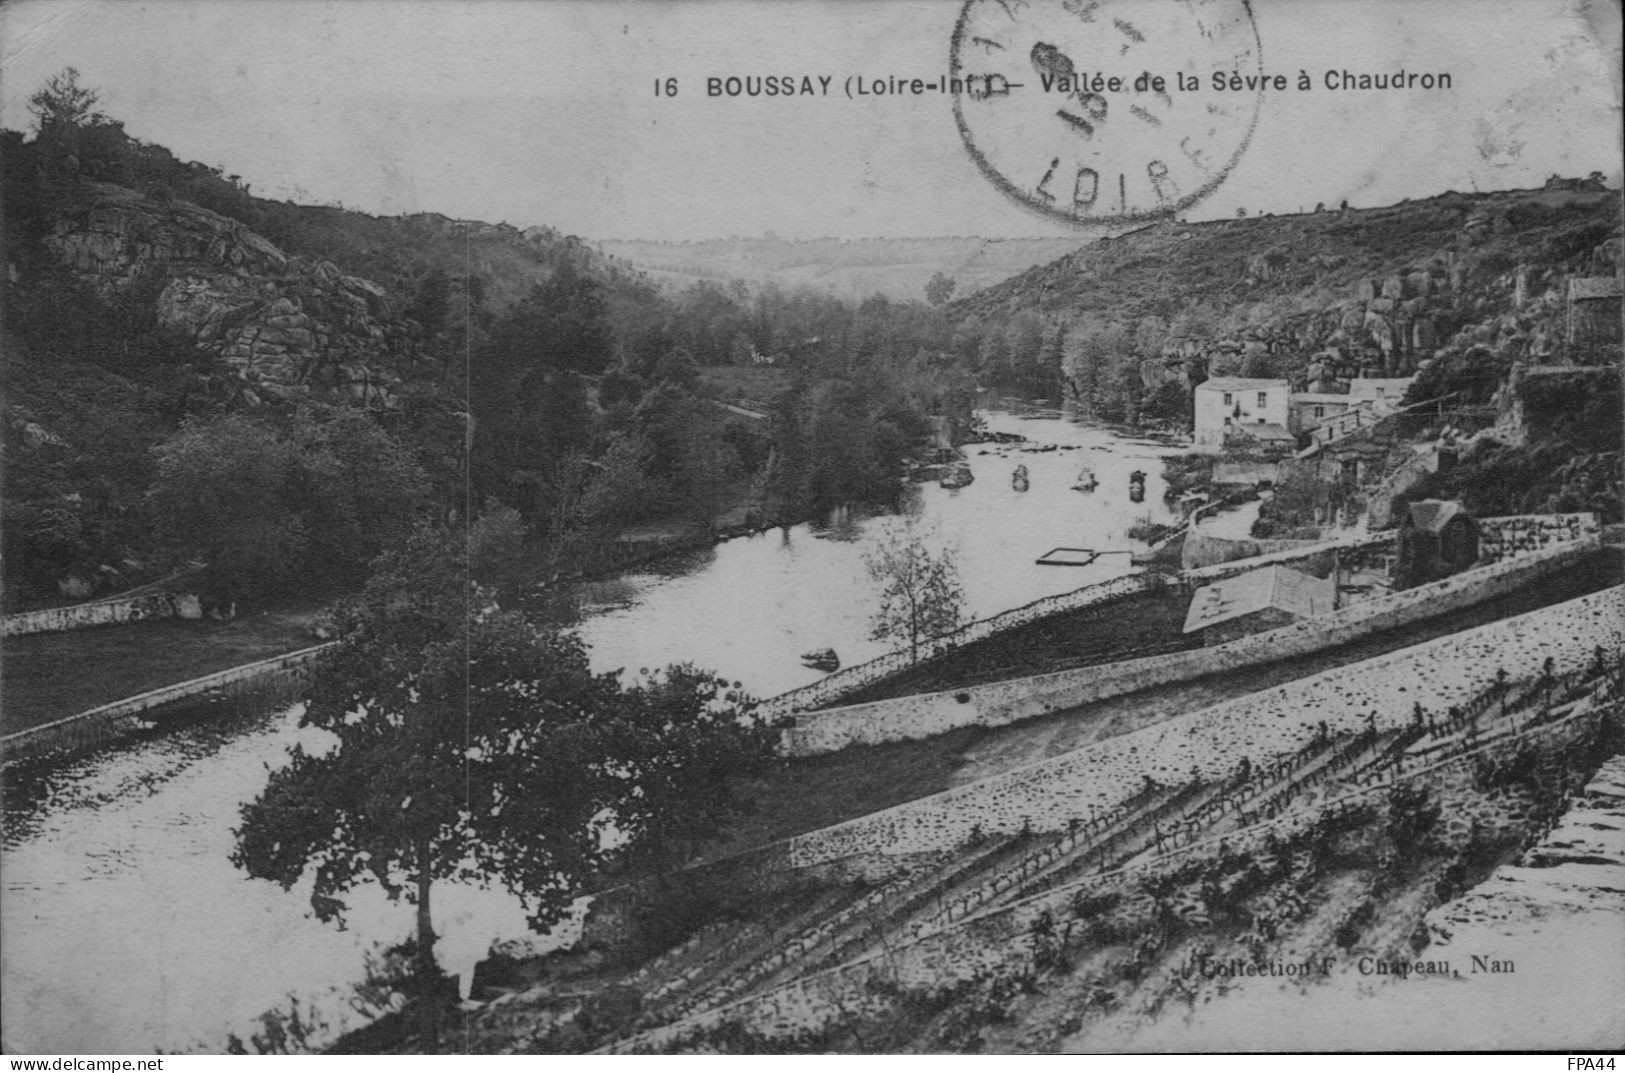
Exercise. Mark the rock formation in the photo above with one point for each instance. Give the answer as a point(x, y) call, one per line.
point(282, 325)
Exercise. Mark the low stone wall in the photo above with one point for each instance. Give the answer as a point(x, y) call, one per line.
point(1202, 550)
point(1305, 558)
point(1211, 742)
point(849, 680)
point(98, 723)
point(99, 613)
point(1522, 534)
point(998, 703)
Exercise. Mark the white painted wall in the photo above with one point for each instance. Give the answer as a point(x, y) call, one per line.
point(1257, 405)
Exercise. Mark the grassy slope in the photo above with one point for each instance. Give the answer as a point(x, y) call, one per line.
point(51, 676)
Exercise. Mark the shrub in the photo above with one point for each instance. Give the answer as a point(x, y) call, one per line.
point(1412, 816)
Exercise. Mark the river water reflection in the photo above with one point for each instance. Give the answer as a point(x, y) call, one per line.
point(127, 929)
point(749, 607)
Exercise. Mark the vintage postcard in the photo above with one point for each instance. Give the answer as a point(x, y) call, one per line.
point(1004, 526)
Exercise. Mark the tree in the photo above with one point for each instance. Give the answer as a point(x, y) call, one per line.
point(224, 493)
point(920, 593)
point(63, 104)
point(940, 289)
point(496, 548)
point(694, 748)
point(842, 462)
point(472, 744)
point(528, 395)
point(359, 491)
point(690, 466)
point(263, 501)
point(77, 137)
point(431, 306)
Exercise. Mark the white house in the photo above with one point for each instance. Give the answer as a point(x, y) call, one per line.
point(1227, 401)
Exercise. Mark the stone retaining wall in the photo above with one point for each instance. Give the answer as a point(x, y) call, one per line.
point(1211, 742)
point(1522, 534)
point(999, 703)
point(849, 680)
point(1304, 557)
point(109, 718)
point(1202, 550)
point(99, 613)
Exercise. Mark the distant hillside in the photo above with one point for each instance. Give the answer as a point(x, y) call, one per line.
point(896, 268)
point(1166, 268)
point(1382, 289)
point(1459, 291)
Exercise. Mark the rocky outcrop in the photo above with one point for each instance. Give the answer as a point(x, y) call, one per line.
point(281, 325)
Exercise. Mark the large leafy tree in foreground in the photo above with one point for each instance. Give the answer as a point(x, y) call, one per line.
point(471, 744)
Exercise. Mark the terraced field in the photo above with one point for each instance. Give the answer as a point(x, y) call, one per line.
point(1089, 934)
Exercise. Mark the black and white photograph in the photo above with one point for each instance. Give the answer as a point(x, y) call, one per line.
point(644, 527)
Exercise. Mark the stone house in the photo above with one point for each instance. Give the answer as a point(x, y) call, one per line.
point(1437, 538)
point(1259, 600)
point(1228, 401)
point(1382, 392)
point(1312, 409)
point(1364, 433)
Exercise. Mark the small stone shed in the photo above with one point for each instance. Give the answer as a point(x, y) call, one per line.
point(1258, 600)
point(1437, 538)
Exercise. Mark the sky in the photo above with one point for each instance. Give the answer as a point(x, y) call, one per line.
point(548, 113)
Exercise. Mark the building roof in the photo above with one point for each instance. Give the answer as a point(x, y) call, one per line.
point(1434, 514)
point(1595, 287)
point(1380, 387)
point(1238, 383)
point(1317, 398)
point(1272, 586)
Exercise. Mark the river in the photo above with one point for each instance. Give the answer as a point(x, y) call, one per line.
point(762, 609)
point(127, 929)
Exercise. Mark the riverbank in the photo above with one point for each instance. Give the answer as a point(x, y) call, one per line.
point(653, 542)
point(51, 676)
point(54, 675)
point(807, 793)
point(1138, 625)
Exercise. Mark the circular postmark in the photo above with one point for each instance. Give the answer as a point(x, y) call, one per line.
point(1101, 111)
